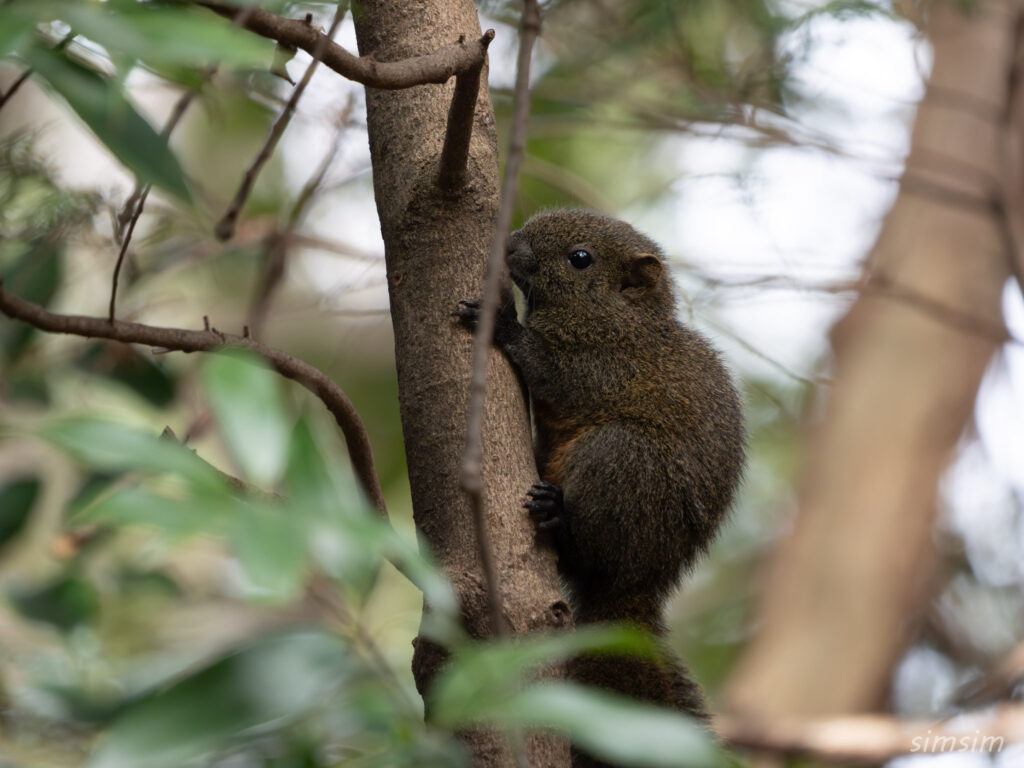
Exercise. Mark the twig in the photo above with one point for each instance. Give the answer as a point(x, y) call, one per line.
point(435, 67)
point(275, 250)
point(15, 86)
point(312, 185)
point(873, 739)
point(143, 193)
point(225, 228)
point(459, 131)
point(137, 200)
point(472, 461)
point(1009, 195)
point(24, 76)
point(210, 339)
point(322, 592)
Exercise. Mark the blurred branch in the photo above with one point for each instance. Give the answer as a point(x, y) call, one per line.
point(237, 483)
point(6, 95)
point(436, 67)
point(997, 685)
point(226, 226)
point(873, 739)
point(276, 245)
point(341, 249)
point(1010, 192)
point(878, 285)
point(24, 76)
point(472, 461)
point(330, 394)
point(459, 131)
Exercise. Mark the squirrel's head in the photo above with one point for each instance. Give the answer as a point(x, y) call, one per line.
point(578, 258)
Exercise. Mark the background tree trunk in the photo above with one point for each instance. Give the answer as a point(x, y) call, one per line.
point(909, 357)
point(435, 247)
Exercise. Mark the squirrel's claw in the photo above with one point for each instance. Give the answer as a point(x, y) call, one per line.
point(546, 506)
point(468, 312)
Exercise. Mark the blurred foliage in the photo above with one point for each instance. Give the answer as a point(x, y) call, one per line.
point(306, 685)
point(613, 76)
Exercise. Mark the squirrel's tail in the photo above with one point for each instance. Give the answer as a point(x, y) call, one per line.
point(661, 680)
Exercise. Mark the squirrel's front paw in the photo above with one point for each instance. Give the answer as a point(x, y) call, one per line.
point(546, 506)
point(468, 312)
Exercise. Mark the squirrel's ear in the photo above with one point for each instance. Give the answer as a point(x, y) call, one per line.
point(642, 276)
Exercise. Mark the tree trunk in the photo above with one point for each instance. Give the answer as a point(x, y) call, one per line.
point(843, 590)
point(436, 246)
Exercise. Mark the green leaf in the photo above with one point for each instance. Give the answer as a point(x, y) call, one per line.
point(264, 687)
point(15, 29)
point(35, 277)
point(271, 546)
point(308, 479)
point(180, 518)
point(104, 445)
point(17, 496)
point(165, 34)
point(611, 727)
point(246, 399)
point(65, 603)
point(480, 676)
point(102, 105)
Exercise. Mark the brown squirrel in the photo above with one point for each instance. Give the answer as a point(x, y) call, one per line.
point(640, 435)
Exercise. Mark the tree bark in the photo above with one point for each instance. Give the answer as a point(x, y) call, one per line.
point(435, 246)
point(838, 607)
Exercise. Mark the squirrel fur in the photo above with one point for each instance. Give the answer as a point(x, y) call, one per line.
point(640, 435)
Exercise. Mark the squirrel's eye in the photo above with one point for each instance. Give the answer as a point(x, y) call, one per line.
point(581, 259)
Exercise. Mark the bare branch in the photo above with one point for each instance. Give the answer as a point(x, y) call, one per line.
point(208, 340)
point(137, 200)
point(1010, 194)
point(225, 228)
point(436, 67)
point(15, 86)
point(275, 249)
point(472, 462)
point(459, 131)
point(24, 76)
point(873, 739)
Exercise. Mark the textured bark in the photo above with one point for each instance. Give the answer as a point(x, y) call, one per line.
point(844, 589)
point(436, 245)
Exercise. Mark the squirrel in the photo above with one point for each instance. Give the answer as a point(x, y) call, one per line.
point(639, 432)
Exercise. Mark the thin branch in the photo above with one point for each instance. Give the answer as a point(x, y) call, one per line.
point(143, 193)
point(873, 739)
point(436, 67)
point(1009, 197)
point(210, 339)
point(225, 228)
point(459, 131)
point(276, 245)
point(472, 461)
point(275, 254)
point(24, 76)
point(875, 285)
point(347, 250)
point(15, 86)
point(137, 200)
